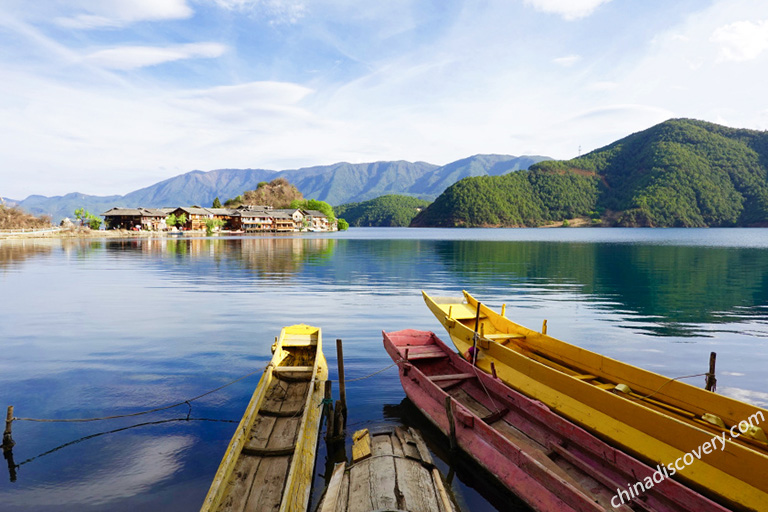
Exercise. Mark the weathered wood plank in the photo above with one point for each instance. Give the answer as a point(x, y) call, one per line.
point(239, 485)
point(383, 482)
point(415, 484)
point(362, 445)
point(268, 483)
point(331, 498)
point(359, 499)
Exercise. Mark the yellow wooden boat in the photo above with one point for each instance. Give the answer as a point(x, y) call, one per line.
point(663, 421)
point(269, 462)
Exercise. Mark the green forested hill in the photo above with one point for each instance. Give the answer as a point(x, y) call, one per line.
point(390, 210)
point(679, 173)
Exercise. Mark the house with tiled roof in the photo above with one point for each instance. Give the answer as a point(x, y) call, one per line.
point(152, 219)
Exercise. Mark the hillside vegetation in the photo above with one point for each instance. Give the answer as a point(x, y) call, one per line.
point(385, 211)
point(278, 193)
point(681, 172)
point(16, 218)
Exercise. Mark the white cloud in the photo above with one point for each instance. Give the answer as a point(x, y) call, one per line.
point(90, 14)
point(278, 11)
point(742, 40)
point(568, 9)
point(567, 61)
point(132, 467)
point(132, 57)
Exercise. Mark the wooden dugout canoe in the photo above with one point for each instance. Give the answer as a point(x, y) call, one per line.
point(582, 386)
point(546, 460)
point(269, 462)
point(391, 470)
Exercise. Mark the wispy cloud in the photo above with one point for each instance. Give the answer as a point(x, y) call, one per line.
point(115, 13)
point(278, 11)
point(567, 61)
point(133, 57)
point(568, 9)
point(741, 41)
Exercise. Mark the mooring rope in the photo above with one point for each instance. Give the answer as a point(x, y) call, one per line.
point(375, 373)
point(140, 413)
point(707, 374)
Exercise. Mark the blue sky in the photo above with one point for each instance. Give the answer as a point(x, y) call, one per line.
point(107, 96)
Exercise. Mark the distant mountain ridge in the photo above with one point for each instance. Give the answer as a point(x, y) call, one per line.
point(335, 184)
point(679, 173)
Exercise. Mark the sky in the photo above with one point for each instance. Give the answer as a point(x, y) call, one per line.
point(107, 96)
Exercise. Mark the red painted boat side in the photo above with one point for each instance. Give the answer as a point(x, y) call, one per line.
point(523, 465)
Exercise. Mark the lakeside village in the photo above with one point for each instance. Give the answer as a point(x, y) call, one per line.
point(243, 219)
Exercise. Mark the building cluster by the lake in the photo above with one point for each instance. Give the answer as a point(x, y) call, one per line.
point(245, 219)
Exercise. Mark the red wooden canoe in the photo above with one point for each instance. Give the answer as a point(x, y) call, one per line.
point(544, 459)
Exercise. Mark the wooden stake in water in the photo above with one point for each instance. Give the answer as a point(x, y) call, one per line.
point(711, 380)
point(342, 386)
point(7, 439)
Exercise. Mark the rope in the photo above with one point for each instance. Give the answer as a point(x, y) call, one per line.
point(671, 380)
point(140, 413)
point(376, 372)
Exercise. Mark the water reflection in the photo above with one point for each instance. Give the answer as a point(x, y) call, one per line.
point(15, 252)
point(661, 290)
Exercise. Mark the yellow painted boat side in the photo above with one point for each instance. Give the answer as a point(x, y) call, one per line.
point(299, 479)
point(299, 482)
point(736, 474)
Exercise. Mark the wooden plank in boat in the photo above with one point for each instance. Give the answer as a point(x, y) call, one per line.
point(362, 445)
point(454, 376)
point(419, 493)
point(383, 479)
point(334, 491)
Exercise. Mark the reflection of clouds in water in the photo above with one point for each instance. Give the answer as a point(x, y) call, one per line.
point(757, 398)
point(143, 463)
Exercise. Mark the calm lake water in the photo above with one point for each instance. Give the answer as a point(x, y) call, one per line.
point(104, 327)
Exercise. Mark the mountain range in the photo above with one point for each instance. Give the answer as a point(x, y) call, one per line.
point(335, 184)
point(679, 173)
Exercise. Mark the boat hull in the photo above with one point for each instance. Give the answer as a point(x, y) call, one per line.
point(547, 461)
point(269, 461)
point(568, 379)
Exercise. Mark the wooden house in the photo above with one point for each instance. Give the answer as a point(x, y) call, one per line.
point(317, 220)
point(135, 218)
point(195, 215)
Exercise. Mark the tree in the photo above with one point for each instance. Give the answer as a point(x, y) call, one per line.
point(211, 225)
point(216, 203)
point(87, 217)
point(181, 220)
point(343, 225)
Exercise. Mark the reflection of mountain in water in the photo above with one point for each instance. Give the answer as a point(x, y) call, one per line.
point(672, 286)
point(676, 289)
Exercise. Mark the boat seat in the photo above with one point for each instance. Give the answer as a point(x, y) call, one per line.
point(431, 354)
point(453, 376)
point(463, 312)
point(281, 414)
point(607, 386)
point(585, 376)
point(269, 452)
point(293, 369)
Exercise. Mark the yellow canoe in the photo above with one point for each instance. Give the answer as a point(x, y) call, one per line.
point(269, 462)
point(659, 420)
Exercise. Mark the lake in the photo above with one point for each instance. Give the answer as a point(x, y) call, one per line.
point(94, 328)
